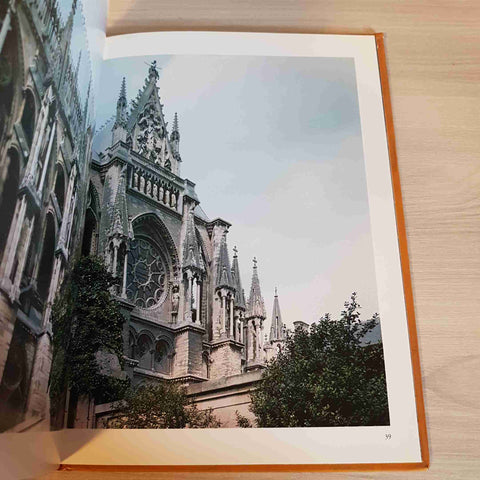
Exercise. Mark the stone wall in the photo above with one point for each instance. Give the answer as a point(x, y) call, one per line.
point(188, 352)
point(226, 359)
point(226, 396)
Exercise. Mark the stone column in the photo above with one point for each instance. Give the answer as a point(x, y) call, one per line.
point(32, 164)
point(14, 236)
point(52, 290)
point(232, 330)
point(199, 302)
point(115, 255)
point(224, 314)
point(47, 156)
point(38, 400)
point(65, 228)
point(22, 251)
point(124, 280)
point(188, 297)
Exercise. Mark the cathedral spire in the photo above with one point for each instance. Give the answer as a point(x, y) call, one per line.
point(277, 329)
point(123, 90)
point(175, 123)
point(122, 105)
point(175, 138)
point(192, 257)
point(237, 283)
point(224, 273)
point(256, 305)
point(119, 225)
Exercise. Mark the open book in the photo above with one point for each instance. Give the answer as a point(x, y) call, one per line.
point(203, 259)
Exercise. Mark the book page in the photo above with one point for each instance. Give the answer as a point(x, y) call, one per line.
point(254, 173)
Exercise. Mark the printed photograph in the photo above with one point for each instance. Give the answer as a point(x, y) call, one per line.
point(192, 251)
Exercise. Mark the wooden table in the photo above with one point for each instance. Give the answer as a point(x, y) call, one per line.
point(433, 55)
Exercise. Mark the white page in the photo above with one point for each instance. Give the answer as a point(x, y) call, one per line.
point(398, 442)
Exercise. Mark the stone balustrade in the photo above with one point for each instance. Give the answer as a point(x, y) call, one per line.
point(154, 187)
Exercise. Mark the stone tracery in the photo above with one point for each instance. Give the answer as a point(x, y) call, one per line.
point(147, 275)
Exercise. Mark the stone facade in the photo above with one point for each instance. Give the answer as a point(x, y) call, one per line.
point(187, 317)
point(45, 141)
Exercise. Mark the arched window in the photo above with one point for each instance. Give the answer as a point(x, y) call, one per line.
point(46, 261)
point(162, 357)
point(152, 260)
point(9, 196)
point(144, 351)
point(89, 233)
point(14, 385)
point(60, 187)
point(89, 241)
point(28, 117)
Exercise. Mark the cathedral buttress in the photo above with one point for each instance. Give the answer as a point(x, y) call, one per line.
point(193, 267)
point(239, 299)
point(115, 224)
point(255, 317)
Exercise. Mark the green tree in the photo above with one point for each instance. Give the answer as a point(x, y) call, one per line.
point(85, 320)
point(327, 375)
point(161, 405)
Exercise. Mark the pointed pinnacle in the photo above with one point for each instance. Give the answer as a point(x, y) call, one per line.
point(235, 251)
point(254, 262)
point(175, 122)
point(276, 293)
point(123, 89)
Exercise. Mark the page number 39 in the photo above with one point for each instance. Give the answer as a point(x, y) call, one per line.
point(388, 436)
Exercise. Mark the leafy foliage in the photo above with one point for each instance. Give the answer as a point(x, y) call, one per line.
point(325, 376)
point(242, 421)
point(85, 320)
point(161, 405)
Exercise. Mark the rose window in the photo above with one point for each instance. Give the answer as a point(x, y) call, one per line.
point(147, 274)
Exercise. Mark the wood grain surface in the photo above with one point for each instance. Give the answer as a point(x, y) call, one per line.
point(433, 58)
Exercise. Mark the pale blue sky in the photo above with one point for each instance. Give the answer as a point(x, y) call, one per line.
point(274, 147)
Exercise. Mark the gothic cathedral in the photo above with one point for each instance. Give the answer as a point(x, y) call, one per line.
point(188, 318)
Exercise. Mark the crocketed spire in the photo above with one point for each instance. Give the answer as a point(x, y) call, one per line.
point(224, 273)
point(192, 257)
point(121, 118)
point(256, 305)
point(239, 294)
point(277, 329)
point(120, 225)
